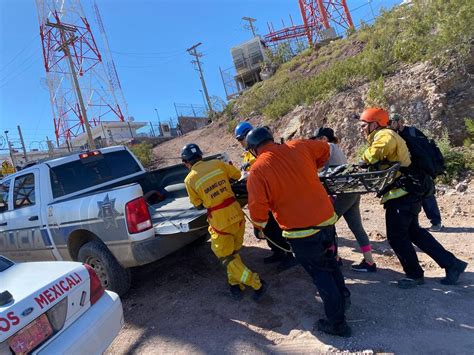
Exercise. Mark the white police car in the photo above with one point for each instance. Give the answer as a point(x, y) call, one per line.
point(55, 308)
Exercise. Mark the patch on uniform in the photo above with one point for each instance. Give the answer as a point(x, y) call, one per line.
point(107, 212)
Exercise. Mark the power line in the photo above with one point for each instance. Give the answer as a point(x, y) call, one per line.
point(22, 71)
point(20, 52)
point(151, 55)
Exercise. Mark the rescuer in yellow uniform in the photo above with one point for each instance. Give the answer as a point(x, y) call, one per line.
point(240, 132)
point(402, 203)
point(208, 186)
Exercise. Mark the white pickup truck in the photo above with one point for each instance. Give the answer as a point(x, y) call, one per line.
point(99, 207)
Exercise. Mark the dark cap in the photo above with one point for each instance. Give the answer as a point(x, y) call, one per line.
point(325, 132)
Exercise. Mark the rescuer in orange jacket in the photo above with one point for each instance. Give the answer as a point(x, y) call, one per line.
point(272, 231)
point(284, 180)
point(208, 186)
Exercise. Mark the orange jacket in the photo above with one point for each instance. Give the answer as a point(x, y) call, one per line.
point(284, 180)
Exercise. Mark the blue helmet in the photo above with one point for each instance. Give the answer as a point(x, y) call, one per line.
point(191, 153)
point(241, 130)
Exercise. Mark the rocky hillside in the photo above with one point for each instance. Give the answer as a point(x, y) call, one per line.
point(418, 60)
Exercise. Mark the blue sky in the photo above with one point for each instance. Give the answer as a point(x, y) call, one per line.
point(148, 40)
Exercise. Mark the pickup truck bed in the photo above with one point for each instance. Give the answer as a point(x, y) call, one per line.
point(91, 207)
point(176, 215)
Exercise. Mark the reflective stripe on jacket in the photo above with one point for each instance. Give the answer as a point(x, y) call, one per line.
point(208, 184)
point(303, 233)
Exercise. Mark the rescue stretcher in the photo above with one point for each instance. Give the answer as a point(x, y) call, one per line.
point(354, 179)
point(344, 179)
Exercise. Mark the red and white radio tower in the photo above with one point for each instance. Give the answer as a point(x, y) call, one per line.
point(317, 15)
point(83, 89)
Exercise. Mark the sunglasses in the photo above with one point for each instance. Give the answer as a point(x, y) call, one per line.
point(240, 139)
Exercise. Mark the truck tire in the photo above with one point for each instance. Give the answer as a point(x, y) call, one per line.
point(112, 275)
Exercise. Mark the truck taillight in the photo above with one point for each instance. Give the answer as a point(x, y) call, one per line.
point(89, 154)
point(137, 216)
point(97, 290)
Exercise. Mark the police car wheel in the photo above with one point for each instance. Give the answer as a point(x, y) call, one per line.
point(111, 274)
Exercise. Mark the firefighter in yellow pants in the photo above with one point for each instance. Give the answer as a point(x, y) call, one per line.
point(208, 186)
point(225, 245)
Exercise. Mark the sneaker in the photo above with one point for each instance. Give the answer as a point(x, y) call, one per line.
point(407, 282)
point(287, 263)
point(274, 258)
point(453, 272)
point(436, 227)
point(258, 294)
point(341, 330)
point(236, 293)
point(364, 266)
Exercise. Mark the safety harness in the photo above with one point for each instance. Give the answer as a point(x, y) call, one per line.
point(227, 202)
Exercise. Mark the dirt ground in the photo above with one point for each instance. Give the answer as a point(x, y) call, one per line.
point(181, 305)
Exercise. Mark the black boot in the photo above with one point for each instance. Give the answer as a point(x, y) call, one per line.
point(236, 293)
point(453, 272)
point(408, 282)
point(258, 294)
point(341, 329)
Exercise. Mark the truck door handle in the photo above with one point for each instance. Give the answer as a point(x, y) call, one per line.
point(33, 218)
point(3, 224)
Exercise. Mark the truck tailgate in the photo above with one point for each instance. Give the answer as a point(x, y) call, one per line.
point(177, 215)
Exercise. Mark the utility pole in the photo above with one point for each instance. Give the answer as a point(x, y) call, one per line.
point(159, 122)
point(65, 49)
point(197, 55)
point(10, 149)
point(203, 99)
point(50, 147)
point(152, 130)
point(130, 129)
point(250, 25)
point(22, 143)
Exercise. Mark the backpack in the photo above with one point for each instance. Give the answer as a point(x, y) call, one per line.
point(425, 154)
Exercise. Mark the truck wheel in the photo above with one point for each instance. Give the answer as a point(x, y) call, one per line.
point(111, 274)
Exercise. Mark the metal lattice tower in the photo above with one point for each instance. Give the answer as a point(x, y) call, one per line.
point(317, 16)
point(84, 90)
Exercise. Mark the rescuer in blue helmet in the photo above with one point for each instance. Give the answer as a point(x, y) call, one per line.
point(240, 132)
